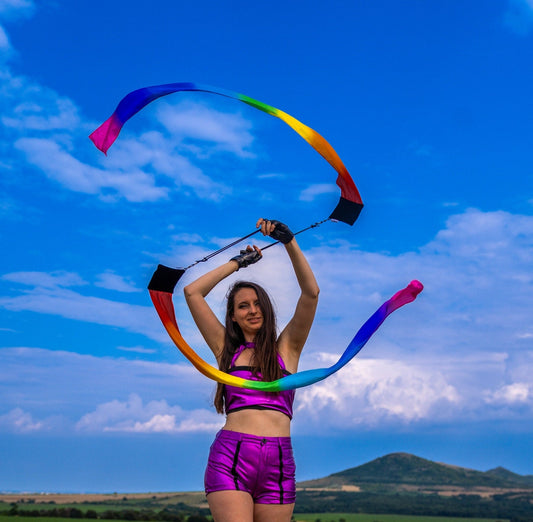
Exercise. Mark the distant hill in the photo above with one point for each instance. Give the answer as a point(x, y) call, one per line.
point(505, 474)
point(407, 469)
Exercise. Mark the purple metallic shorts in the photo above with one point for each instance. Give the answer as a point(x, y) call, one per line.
point(261, 466)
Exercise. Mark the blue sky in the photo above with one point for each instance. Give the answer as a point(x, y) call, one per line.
point(429, 106)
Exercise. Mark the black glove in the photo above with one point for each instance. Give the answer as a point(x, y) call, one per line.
point(247, 257)
point(282, 232)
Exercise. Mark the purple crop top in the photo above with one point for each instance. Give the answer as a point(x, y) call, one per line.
point(240, 398)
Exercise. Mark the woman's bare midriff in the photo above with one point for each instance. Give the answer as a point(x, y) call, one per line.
point(266, 423)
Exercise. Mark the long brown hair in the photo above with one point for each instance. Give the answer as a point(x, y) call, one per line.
point(265, 355)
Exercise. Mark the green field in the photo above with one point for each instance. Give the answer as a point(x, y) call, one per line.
point(56, 519)
point(45, 519)
point(53, 519)
point(349, 517)
point(307, 517)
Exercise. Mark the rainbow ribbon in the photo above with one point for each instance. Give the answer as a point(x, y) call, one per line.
point(161, 294)
point(164, 279)
point(350, 203)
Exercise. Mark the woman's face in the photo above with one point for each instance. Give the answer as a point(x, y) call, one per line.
point(247, 313)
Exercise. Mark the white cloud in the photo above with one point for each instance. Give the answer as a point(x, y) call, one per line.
point(112, 281)
point(272, 175)
point(55, 279)
point(61, 387)
point(370, 391)
point(131, 172)
point(136, 349)
point(153, 417)
point(20, 421)
point(146, 169)
point(464, 333)
point(460, 352)
point(163, 158)
point(4, 41)
point(414, 389)
point(52, 136)
point(49, 294)
point(476, 294)
point(476, 297)
point(157, 424)
point(188, 238)
point(518, 392)
point(226, 131)
point(46, 112)
point(61, 166)
point(311, 192)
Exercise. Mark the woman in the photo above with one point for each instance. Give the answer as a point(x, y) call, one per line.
point(250, 473)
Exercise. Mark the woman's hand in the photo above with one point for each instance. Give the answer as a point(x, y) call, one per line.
point(248, 256)
point(275, 229)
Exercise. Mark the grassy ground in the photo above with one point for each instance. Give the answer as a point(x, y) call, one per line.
point(348, 517)
point(50, 519)
point(44, 519)
point(308, 517)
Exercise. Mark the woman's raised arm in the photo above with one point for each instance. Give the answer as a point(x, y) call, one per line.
point(210, 327)
point(292, 339)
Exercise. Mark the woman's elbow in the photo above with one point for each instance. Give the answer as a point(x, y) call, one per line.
point(188, 292)
point(313, 292)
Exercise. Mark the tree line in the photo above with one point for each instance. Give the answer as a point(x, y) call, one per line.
point(145, 515)
point(512, 506)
